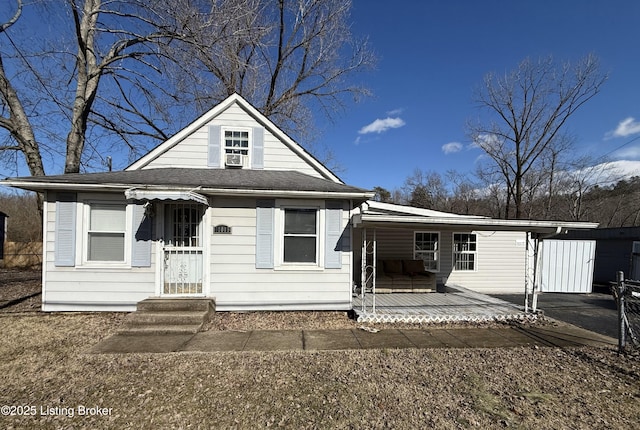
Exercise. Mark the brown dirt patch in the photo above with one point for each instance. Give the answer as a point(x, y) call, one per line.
point(49, 380)
point(20, 290)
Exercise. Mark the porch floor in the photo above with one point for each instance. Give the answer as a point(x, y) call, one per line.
point(458, 304)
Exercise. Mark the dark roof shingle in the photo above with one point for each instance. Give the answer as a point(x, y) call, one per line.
point(232, 179)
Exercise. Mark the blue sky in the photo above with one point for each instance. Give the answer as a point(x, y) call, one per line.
point(432, 54)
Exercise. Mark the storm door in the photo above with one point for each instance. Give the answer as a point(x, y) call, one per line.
point(183, 249)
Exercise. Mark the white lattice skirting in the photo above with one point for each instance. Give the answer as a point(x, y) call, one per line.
point(422, 319)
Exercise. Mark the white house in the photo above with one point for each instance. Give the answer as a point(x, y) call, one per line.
point(232, 208)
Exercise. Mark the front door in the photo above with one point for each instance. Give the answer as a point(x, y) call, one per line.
point(183, 249)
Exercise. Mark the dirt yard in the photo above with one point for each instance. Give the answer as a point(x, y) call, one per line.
point(49, 380)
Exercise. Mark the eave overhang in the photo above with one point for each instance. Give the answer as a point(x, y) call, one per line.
point(541, 227)
point(357, 197)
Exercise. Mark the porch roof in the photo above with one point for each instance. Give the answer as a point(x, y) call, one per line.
point(385, 215)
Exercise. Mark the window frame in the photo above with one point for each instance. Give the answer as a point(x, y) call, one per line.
point(455, 253)
point(435, 252)
point(283, 235)
point(87, 230)
point(224, 148)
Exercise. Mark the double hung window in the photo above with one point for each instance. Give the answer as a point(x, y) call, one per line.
point(300, 235)
point(426, 248)
point(464, 251)
point(106, 232)
point(236, 142)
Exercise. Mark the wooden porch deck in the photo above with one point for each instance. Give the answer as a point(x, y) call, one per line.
point(458, 304)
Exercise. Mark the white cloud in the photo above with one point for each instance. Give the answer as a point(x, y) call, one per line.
point(395, 112)
point(486, 141)
point(632, 152)
point(382, 125)
point(452, 147)
point(626, 127)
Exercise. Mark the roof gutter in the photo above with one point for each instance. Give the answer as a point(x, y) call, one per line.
point(550, 228)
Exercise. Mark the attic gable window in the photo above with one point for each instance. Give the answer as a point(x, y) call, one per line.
point(236, 142)
point(235, 147)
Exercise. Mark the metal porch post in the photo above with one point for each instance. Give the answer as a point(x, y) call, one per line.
point(368, 271)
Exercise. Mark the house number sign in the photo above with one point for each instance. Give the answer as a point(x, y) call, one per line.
point(221, 229)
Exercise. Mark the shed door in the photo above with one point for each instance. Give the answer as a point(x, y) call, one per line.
point(183, 269)
point(567, 266)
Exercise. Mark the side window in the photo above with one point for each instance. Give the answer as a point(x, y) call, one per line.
point(427, 248)
point(106, 232)
point(464, 251)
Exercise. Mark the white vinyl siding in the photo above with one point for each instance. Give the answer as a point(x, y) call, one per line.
point(500, 262)
point(192, 151)
point(238, 285)
point(79, 287)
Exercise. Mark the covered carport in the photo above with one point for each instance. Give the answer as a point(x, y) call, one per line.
point(519, 263)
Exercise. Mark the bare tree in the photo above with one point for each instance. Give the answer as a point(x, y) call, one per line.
point(114, 40)
point(426, 189)
point(14, 118)
point(528, 110)
point(465, 194)
point(127, 73)
point(287, 57)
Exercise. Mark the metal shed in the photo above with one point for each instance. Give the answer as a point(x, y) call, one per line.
point(567, 266)
point(618, 249)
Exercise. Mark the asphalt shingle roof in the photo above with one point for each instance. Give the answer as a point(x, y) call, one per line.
point(232, 179)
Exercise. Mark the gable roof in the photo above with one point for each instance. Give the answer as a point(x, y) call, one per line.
point(207, 181)
point(235, 98)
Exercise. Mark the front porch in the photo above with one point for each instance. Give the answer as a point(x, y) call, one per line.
point(457, 304)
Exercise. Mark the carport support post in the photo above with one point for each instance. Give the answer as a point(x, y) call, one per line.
point(531, 276)
point(368, 271)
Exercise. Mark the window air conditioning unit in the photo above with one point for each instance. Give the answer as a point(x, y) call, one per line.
point(234, 160)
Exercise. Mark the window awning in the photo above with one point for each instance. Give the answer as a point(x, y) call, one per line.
point(144, 194)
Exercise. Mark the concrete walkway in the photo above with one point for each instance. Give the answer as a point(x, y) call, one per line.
point(561, 335)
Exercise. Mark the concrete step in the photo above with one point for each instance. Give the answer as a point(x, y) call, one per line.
point(158, 329)
point(159, 304)
point(167, 318)
point(158, 315)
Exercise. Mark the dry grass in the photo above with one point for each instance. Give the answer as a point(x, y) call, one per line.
point(44, 363)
